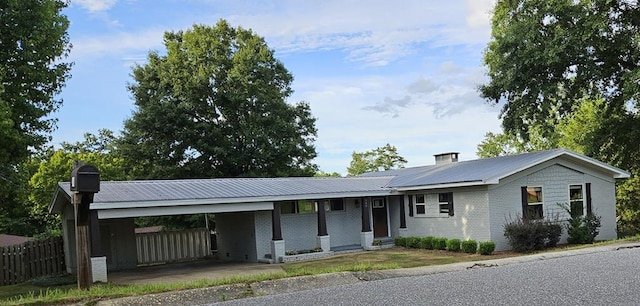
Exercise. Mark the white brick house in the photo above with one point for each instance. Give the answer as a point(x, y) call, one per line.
point(261, 218)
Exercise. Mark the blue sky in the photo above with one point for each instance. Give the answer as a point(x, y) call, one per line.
point(374, 72)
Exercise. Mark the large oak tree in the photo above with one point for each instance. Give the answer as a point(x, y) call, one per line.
point(214, 105)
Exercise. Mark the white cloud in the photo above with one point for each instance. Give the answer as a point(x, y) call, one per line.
point(118, 44)
point(95, 5)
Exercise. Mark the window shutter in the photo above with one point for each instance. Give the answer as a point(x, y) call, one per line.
point(450, 198)
point(525, 202)
point(410, 205)
point(589, 208)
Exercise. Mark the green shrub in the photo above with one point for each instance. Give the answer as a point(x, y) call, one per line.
point(440, 243)
point(486, 247)
point(400, 241)
point(583, 229)
point(427, 242)
point(453, 245)
point(529, 235)
point(553, 232)
point(469, 246)
point(413, 242)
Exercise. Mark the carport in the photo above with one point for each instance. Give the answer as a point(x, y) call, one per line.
point(247, 210)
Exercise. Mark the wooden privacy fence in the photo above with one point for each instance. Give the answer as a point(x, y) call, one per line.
point(164, 247)
point(22, 262)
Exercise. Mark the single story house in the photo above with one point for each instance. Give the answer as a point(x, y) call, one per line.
point(259, 219)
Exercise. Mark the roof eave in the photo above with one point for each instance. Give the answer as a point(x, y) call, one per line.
point(60, 197)
point(447, 185)
point(213, 201)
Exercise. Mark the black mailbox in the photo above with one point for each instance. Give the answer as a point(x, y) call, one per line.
point(85, 178)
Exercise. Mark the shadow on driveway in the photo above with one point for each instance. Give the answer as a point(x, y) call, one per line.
point(190, 271)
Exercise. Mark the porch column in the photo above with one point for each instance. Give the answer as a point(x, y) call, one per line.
point(277, 243)
point(366, 236)
point(366, 218)
point(98, 258)
point(403, 218)
point(322, 219)
point(276, 228)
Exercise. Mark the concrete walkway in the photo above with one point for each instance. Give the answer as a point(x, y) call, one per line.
point(190, 271)
point(294, 284)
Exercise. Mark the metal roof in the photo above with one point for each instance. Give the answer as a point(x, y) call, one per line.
point(231, 188)
point(485, 171)
point(114, 194)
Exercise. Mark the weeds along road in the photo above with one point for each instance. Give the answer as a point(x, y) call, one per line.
point(607, 278)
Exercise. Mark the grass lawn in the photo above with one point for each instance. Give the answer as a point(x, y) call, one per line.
point(62, 289)
point(392, 258)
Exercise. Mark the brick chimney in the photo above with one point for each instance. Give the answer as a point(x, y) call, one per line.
point(445, 158)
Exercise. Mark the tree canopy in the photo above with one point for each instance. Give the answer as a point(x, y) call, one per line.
point(33, 46)
point(546, 55)
point(380, 158)
point(215, 106)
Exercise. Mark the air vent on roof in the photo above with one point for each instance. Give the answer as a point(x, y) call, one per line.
point(445, 158)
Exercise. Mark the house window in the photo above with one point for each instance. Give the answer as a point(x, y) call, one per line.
point(421, 204)
point(307, 207)
point(378, 203)
point(443, 202)
point(576, 200)
point(534, 203)
point(334, 205)
point(298, 207)
point(288, 207)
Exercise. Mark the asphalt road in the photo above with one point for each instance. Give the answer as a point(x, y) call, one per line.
point(607, 278)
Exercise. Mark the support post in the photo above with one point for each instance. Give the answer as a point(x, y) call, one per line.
point(81, 203)
point(366, 218)
point(322, 219)
point(403, 218)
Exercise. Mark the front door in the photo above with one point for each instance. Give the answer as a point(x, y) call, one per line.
point(379, 212)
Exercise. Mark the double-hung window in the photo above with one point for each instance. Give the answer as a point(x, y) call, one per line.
point(443, 202)
point(421, 204)
point(576, 200)
point(535, 208)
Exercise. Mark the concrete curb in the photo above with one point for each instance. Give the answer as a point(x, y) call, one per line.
point(301, 283)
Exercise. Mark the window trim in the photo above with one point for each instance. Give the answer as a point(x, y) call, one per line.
point(582, 199)
point(445, 203)
point(423, 204)
point(541, 203)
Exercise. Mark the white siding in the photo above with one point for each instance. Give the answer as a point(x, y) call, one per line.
point(603, 196)
point(394, 214)
point(554, 177)
point(470, 220)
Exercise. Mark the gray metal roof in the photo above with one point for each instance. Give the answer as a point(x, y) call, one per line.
point(485, 171)
point(236, 190)
point(194, 189)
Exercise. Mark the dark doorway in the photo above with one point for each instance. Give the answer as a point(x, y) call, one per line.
point(379, 212)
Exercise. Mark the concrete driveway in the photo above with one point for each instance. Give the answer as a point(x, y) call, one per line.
point(190, 271)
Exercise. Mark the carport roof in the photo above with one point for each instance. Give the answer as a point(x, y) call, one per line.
point(226, 190)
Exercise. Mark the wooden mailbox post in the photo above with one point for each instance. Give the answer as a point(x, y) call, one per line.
point(85, 181)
